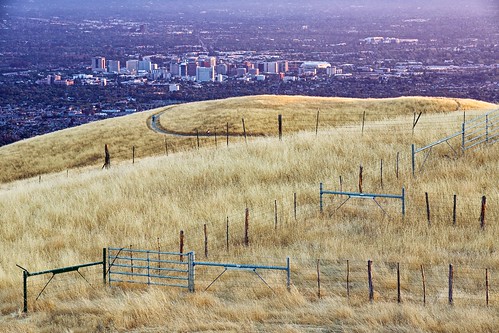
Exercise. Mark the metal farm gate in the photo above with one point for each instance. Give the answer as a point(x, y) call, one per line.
point(481, 130)
point(126, 265)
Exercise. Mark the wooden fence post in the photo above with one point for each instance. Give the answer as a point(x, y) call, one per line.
point(451, 284)
point(341, 184)
point(166, 146)
point(423, 278)
point(317, 123)
point(415, 121)
point(370, 280)
point(360, 178)
point(133, 154)
point(107, 159)
point(279, 121)
point(246, 227)
point(399, 296)
point(427, 208)
point(181, 245)
point(487, 286)
point(482, 212)
point(216, 142)
point(454, 209)
point(205, 241)
point(227, 134)
point(319, 278)
point(244, 131)
point(197, 137)
point(381, 173)
point(397, 166)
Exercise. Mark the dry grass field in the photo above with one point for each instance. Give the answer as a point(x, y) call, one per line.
point(84, 145)
point(75, 209)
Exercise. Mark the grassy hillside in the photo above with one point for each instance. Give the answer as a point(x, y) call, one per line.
point(300, 113)
point(66, 219)
point(84, 145)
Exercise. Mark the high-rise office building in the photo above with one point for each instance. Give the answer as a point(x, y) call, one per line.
point(99, 64)
point(271, 67)
point(113, 66)
point(283, 66)
point(192, 68)
point(222, 69)
point(132, 66)
point(205, 74)
point(183, 70)
point(145, 65)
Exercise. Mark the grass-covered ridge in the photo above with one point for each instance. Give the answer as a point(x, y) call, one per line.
point(300, 112)
point(66, 219)
point(84, 145)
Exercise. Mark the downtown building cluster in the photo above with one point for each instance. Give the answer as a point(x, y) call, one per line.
point(203, 68)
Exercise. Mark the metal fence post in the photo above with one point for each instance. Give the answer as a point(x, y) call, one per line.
point(104, 261)
point(191, 273)
point(462, 140)
point(148, 268)
point(403, 201)
point(370, 280)
point(413, 159)
point(451, 283)
point(109, 266)
point(25, 291)
point(321, 197)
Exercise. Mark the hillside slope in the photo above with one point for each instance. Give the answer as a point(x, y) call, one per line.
point(66, 219)
point(84, 145)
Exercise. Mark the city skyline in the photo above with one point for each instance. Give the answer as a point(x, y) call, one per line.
point(374, 50)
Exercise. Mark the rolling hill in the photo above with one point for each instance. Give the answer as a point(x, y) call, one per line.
point(65, 218)
point(84, 145)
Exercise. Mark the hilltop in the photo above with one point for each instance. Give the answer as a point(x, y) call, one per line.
point(83, 146)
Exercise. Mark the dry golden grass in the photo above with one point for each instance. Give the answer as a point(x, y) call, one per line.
point(84, 145)
point(299, 112)
point(67, 218)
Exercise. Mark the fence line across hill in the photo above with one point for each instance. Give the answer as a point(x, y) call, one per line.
point(356, 280)
point(480, 130)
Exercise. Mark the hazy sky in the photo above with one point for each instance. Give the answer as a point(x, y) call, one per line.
point(344, 7)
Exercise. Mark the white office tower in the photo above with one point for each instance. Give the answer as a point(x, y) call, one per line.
point(98, 64)
point(145, 65)
point(132, 66)
point(271, 67)
point(205, 74)
point(113, 66)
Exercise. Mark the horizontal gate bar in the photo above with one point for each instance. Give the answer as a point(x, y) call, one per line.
point(438, 142)
point(364, 195)
point(185, 263)
point(151, 283)
point(239, 266)
point(161, 269)
point(65, 269)
point(167, 277)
